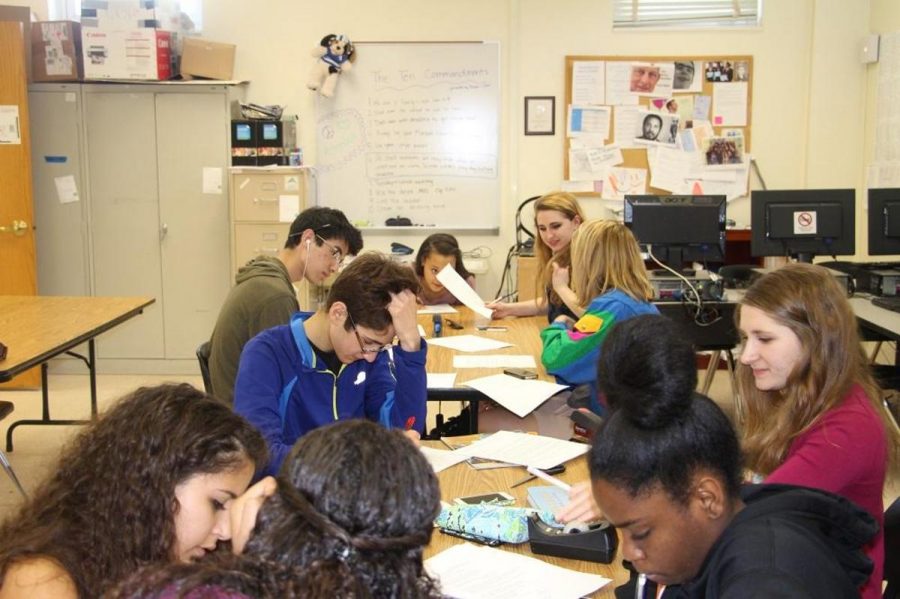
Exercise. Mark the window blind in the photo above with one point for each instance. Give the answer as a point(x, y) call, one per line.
point(686, 13)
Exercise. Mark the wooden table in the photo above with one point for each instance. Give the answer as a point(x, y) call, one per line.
point(461, 480)
point(524, 333)
point(38, 328)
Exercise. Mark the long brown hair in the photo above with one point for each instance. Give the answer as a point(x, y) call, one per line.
point(353, 513)
point(806, 299)
point(567, 205)
point(605, 256)
point(109, 506)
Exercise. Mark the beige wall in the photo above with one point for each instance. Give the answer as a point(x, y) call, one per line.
point(809, 89)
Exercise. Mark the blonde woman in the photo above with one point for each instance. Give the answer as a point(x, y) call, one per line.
point(814, 414)
point(556, 216)
point(610, 279)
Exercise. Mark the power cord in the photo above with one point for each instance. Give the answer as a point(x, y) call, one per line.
point(691, 299)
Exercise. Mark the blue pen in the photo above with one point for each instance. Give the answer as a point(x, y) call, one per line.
point(438, 325)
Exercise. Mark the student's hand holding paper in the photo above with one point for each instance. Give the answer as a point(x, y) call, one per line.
point(581, 506)
point(402, 309)
point(244, 509)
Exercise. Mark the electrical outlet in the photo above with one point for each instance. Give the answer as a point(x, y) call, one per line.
point(477, 266)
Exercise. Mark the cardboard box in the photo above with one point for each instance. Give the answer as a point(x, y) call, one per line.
point(202, 58)
point(56, 51)
point(136, 54)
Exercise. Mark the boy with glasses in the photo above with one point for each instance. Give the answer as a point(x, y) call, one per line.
point(339, 363)
point(264, 294)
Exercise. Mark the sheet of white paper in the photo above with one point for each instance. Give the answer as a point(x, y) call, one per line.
point(421, 330)
point(292, 182)
point(441, 380)
point(10, 131)
point(494, 361)
point(288, 207)
point(589, 120)
point(600, 159)
point(520, 397)
point(701, 108)
point(625, 119)
point(437, 309)
point(468, 571)
point(618, 81)
point(525, 449)
point(588, 82)
point(730, 104)
point(461, 290)
point(66, 189)
point(441, 459)
point(470, 343)
point(671, 167)
point(212, 180)
point(621, 181)
point(579, 165)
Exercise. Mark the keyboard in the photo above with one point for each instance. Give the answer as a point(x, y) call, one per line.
point(888, 302)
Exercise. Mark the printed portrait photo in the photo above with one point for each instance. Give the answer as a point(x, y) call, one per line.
point(687, 77)
point(657, 128)
point(644, 78)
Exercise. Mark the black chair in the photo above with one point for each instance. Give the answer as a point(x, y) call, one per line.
point(892, 550)
point(203, 358)
point(6, 408)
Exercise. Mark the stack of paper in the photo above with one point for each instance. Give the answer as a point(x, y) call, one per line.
point(521, 397)
point(524, 449)
point(456, 285)
point(469, 572)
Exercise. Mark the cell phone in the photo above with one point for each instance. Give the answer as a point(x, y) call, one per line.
point(496, 498)
point(470, 537)
point(520, 373)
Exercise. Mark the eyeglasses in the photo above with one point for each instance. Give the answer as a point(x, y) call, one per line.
point(336, 253)
point(366, 350)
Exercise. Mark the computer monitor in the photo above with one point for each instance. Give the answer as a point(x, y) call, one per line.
point(803, 223)
point(679, 228)
point(884, 221)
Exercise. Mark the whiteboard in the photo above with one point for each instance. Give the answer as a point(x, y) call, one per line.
point(412, 131)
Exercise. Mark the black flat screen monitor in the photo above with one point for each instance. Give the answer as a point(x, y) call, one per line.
point(679, 229)
point(803, 223)
point(884, 222)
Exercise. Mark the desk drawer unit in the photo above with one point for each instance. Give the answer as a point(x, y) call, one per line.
point(258, 196)
point(252, 240)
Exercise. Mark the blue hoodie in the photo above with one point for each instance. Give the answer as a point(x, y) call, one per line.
point(285, 390)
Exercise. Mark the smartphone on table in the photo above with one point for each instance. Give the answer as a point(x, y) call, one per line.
point(496, 498)
point(521, 373)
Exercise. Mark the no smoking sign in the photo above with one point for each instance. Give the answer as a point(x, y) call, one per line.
point(804, 223)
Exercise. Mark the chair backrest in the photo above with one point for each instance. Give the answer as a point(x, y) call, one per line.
point(203, 358)
point(892, 549)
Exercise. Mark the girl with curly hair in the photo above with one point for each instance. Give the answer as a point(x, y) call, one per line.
point(348, 516)
point(815, 415)
point(149, 482)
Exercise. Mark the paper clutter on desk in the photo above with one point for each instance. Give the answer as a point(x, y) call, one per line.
point(469, 343)
point(519, 396)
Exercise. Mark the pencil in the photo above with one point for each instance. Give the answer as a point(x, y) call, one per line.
point(550, 479)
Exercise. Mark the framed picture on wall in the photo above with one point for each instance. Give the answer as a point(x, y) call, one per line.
point(540, 115)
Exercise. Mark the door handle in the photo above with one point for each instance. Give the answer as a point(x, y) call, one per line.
point(18, 228)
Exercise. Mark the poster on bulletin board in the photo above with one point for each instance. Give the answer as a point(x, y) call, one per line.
point(651, 124)
point(411, 136)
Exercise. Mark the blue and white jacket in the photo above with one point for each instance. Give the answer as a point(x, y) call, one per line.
point(285, 390)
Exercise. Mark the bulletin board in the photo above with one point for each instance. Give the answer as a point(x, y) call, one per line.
point(411, 137)
point(715, 82)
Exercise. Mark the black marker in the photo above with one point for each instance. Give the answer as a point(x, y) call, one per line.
point(474, 538)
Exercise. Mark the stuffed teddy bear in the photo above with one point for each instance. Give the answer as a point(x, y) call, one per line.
point(334, 55)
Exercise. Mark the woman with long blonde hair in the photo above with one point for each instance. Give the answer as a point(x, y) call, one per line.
point(556, 216)
point(610, 279)
point(814, 413)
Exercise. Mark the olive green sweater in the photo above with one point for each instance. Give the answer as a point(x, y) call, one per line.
point(263, 297)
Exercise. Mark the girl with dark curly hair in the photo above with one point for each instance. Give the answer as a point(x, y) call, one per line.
point(349, 516)
point(149, 482)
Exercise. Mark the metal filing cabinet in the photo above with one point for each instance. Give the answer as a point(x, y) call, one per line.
point(264, 203)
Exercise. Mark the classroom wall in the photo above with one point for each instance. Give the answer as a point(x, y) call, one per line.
point(809, 88)
point(38, 7)
point(884, 18)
